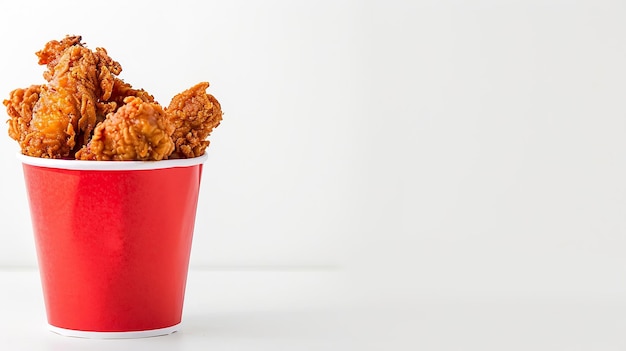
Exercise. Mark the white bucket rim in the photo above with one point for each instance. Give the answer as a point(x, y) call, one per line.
point(110, 165)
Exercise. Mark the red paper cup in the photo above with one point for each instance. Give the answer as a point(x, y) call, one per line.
point(113, 241)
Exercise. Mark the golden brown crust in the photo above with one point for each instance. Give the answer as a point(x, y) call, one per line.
point(54, 49)
point(85, 111)
point(194, 114)
point(64, 113)
point(136, 131)
point(20, 110)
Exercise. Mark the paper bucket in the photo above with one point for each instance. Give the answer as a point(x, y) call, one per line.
point(113, 240)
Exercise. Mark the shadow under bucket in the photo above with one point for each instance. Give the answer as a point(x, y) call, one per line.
point(113, 241)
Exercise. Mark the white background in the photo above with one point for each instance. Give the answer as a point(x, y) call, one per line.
point(428, 148)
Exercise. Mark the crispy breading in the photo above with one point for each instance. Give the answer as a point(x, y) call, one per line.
point(64, 114)
point(194, 114)
point(136, 131)
point(85, 111)
point(20, 107)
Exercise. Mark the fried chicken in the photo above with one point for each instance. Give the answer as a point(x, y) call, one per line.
point(20, 107)
point(53, 50)
point(86, 112)
point(194, 114)
point(136, 131)
point(121, 90)
point(65, 113)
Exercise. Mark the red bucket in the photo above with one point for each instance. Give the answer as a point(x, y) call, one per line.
point(113, 241)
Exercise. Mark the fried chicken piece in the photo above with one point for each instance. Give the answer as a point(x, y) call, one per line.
point(136, 131)
point(53, 50)
point(65, 113)
point(122, 90)
point(20, 109)
point(119, 91)
point(194, 114)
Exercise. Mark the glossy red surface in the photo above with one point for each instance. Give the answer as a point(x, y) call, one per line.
point(113, 246)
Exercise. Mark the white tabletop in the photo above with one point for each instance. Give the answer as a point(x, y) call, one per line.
point(224, 310)
point(323, 310)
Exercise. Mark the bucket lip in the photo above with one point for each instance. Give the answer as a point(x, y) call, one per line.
point(114, 335)
point(83, 165)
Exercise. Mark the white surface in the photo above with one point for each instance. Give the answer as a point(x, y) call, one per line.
point(224, 310)
point(320, 310)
